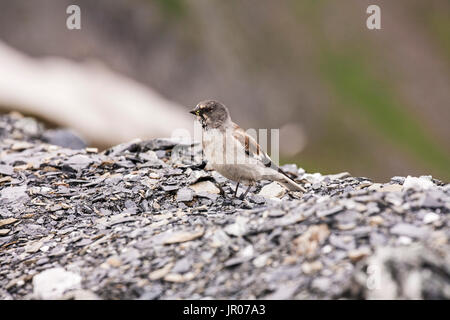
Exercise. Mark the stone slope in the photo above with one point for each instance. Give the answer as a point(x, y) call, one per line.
point(133, 222)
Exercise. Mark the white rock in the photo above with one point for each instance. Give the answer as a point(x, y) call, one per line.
point(403, 240)
point(238, 228)
point(247, 252)
point(272, 190)
point(430, 218)
point(53, 283)
point(327, 249)
point(205, 186)
point(313, 177)
point(261, 260)
point(219, 238)
point(421, 183)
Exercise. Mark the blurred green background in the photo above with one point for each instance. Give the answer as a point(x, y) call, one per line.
point(375, 103)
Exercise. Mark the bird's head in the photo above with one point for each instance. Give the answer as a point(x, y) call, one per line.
point(211, 114)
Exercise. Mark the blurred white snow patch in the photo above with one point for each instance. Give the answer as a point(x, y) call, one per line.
point(104, 107)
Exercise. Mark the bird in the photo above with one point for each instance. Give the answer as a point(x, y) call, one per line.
point(233, 153)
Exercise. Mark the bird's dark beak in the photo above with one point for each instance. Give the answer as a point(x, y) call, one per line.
point(195, 111)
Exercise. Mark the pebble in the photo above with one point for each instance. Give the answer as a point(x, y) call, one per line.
point(430, 217)
point(376, 221)
point(312, 267)
point(238, 228)
point(420, 183)
point(6, 170)
point(5, 222)
point(53, 283)
point(321, 284)
point(182, 236)
point(330, 211)
point(358, 254)
point(261, 260)
point(205, 186)
point(409, 230)
point(272, 190)
point(140, 225)
point(185, 194)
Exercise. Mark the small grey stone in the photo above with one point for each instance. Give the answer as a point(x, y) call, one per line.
point(330, 211)
point(83, 242)
point(284, 292)
point(257, 199)
point(210, 196)
point(182, 266)
point(321, 284)
point(65, 138)
point(79, 161)
point(42, 261)
point(398, 179)
point(238, 228)
point(409, 230)
point(6, 170)
point(14, 194)
point(169, 188)
point(276, 213)
point(185, 194)
point(342, 242)
point(431, 202)
point(152, 292)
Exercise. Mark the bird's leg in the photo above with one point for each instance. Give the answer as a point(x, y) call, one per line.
point(235, 191)
point(242, 197)
point(222, 192)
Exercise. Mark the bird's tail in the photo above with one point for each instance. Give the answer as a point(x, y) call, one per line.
point(290, 184)
point(286, 181)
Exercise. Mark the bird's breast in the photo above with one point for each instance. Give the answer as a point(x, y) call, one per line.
point(221, 147)
point(213, 141)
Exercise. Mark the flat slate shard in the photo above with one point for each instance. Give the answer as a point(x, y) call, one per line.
point(404, 229)
point(14, 194)
point(185, 194)
point(6, 170)
point(79, 161)
point(183, 236)
point(238, 228)
point(327, 212)
point(205, 187)
point(5, 222)
point(64, 138)
point(132, 222)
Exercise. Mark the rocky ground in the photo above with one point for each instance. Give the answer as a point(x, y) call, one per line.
point(136, 222)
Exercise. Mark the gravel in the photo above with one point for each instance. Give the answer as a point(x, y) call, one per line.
point(133, 223)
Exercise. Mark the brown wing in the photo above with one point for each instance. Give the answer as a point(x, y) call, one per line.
point(252, 148)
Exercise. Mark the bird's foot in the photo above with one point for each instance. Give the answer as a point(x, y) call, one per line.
point(242, 196)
